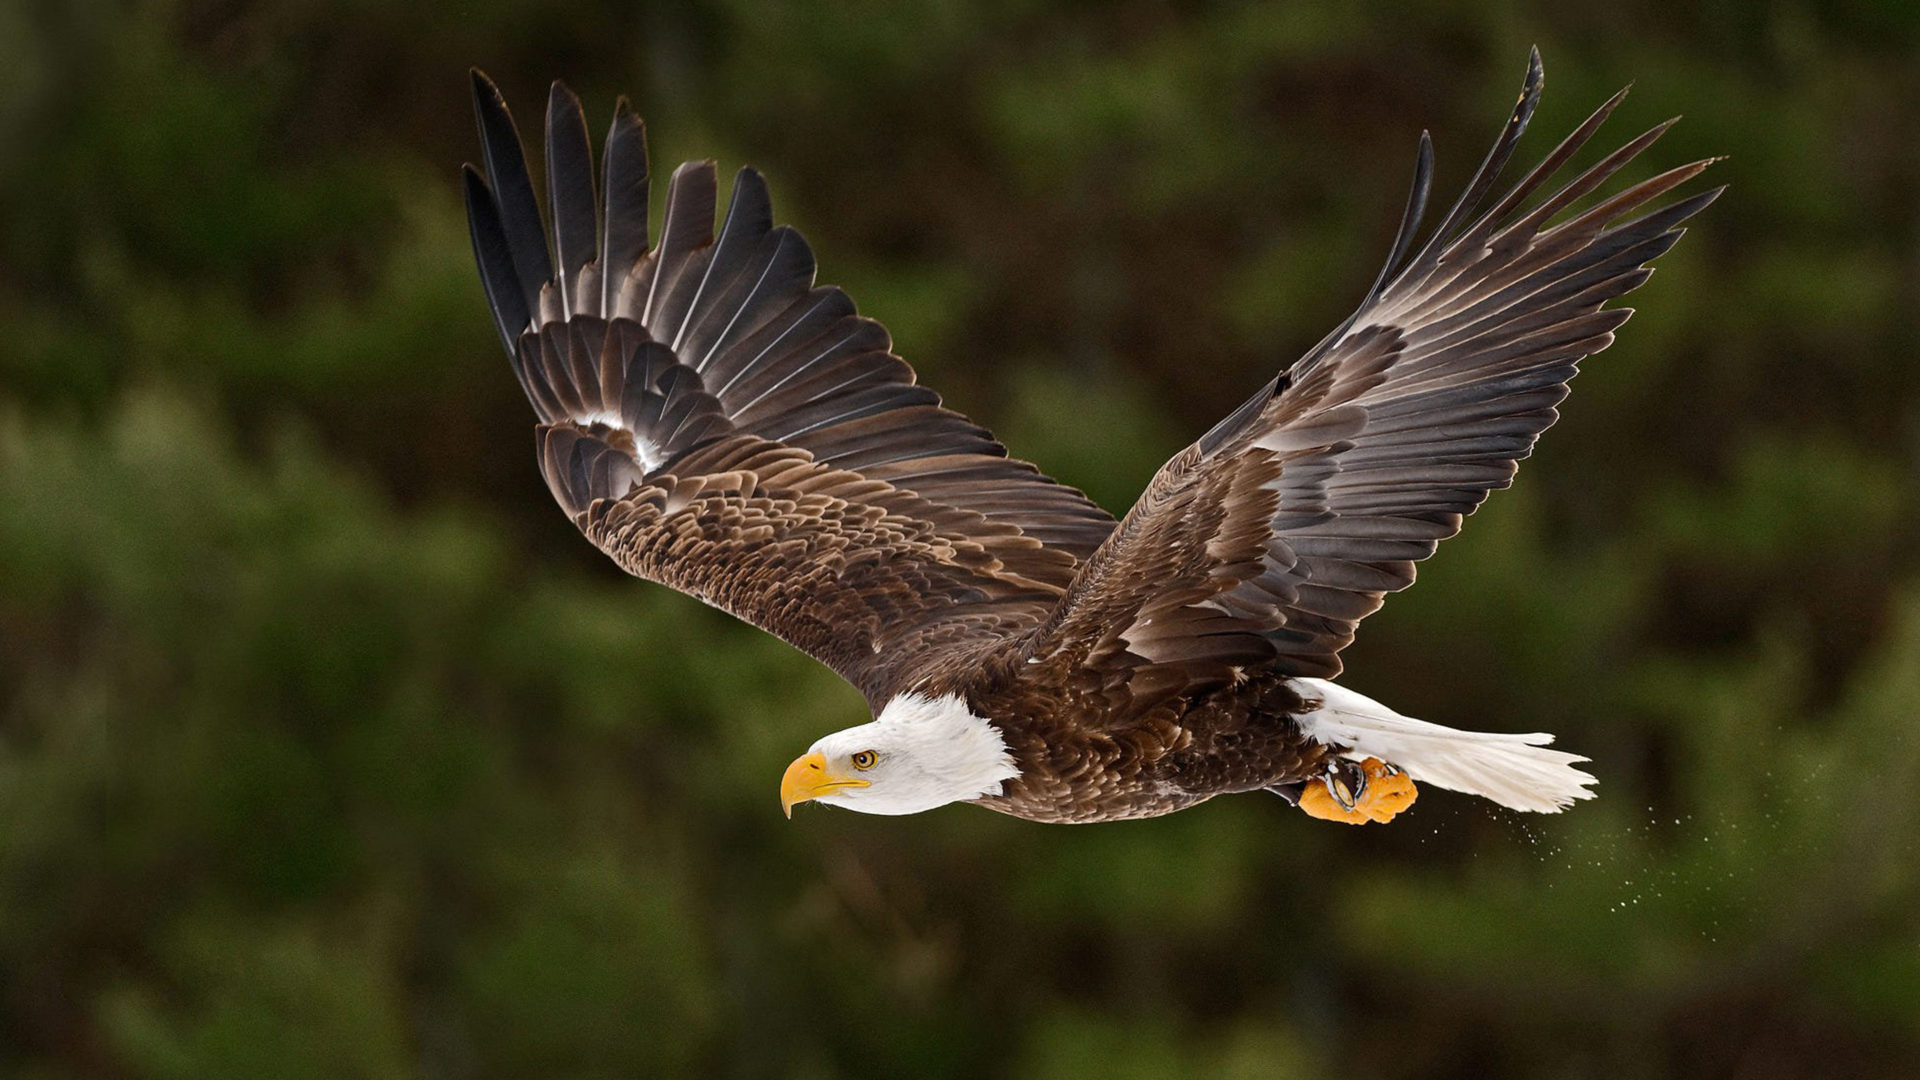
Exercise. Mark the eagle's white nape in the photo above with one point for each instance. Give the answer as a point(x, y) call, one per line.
point(932, 751)
point(1516, 771)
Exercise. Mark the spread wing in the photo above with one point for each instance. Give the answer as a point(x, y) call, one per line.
point(1267, 541)
point(717, 423)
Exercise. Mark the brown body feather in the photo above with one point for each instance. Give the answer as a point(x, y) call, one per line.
point(1082, 761)
point(717, 423)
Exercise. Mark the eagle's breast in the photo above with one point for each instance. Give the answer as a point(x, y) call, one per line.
point(1081, 759)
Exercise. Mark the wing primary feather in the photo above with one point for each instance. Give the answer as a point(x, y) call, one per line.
point(1605, 212)
point(1489, 171)
point(1409, 220)
point(1578, 187)
point(512, 188)
point(823, 305)
point(624, 236)
point(749, 217)
point(1549, 165)
point(529, 365)
point(505, 298)
point(1668, 218)
point(570, 190)
point(686, 226)
point(785, 247)
point(1416, 208)
point(1402, 240)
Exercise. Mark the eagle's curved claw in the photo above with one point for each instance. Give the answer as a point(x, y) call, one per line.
point(1346, 783)
point(1369, 791)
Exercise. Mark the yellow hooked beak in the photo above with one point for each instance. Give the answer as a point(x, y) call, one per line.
point(808, 778)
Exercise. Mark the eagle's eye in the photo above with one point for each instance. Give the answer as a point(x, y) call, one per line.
point(865, 759)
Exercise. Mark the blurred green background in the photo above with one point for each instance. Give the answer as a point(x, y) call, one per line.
point(329, 749)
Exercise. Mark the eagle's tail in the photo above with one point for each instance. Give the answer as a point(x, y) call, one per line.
point(1512, 770)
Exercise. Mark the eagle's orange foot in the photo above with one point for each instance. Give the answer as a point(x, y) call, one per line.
point(1384, 792)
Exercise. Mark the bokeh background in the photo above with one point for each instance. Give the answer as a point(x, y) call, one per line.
point(328, 749)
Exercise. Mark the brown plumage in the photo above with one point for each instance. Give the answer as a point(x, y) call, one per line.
point(717, 423)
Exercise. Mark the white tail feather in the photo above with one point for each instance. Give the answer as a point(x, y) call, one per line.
point(1512, 770)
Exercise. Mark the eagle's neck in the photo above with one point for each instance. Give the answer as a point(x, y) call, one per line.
point(944, 752)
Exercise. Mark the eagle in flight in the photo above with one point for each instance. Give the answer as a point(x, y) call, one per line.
point(718, 423)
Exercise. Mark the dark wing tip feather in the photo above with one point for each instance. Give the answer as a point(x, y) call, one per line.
point(1397, 265)
point(1670, 216)
point(755, 180)
point(625, 228)
point(1410, 218)
point(570, 195)
point(695, 168)
point(1612, 208)
point(1550, 165)
point(483, 84)
point(512, 188)
point(751, 205)
point(1490, 168)
point(625, 120)
point(505, 295)
point(1530, 87)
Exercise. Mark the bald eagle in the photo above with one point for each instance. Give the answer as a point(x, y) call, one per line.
point(716, 422)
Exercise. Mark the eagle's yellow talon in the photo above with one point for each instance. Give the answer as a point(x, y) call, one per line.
point(1388, 791)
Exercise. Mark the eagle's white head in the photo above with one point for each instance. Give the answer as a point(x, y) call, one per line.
point(919, 753)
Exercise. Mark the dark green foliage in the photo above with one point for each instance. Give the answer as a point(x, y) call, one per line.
point(328, 749)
